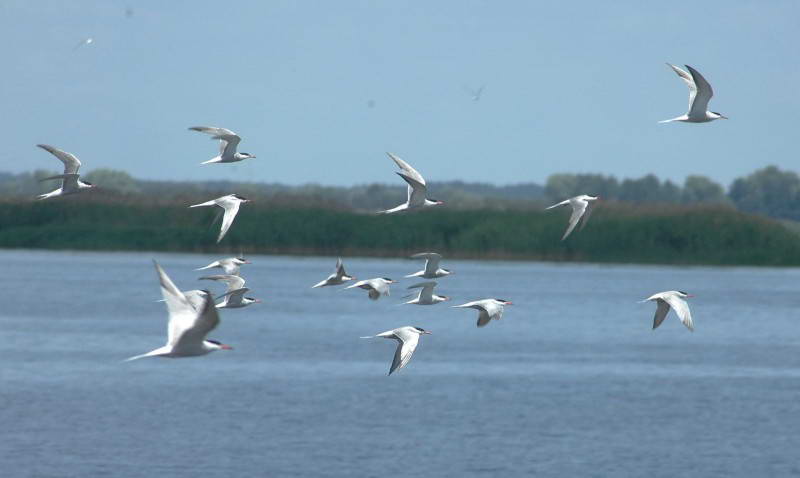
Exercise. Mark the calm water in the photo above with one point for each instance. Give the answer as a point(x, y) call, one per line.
point(572, 381)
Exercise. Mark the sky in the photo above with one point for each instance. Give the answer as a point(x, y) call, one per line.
point(319, 91)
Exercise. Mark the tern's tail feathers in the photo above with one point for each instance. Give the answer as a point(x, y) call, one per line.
point(207, 203)
point(368, 337)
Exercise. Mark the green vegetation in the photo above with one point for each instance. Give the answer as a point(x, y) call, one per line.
point(616, 233)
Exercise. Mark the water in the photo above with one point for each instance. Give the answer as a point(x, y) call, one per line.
point(571, 382)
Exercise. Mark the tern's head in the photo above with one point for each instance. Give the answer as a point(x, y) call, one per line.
point(422, 331)
point(504, 302)
point(718, 115)
point(390, 281)
point(247, 155)
point(684, 294)
point(240, 198)
point(217, 345)
point(253, 300)
point(240, 260)
point(436, 201)
point(444, 297)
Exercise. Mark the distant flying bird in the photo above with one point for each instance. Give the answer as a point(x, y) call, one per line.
point(426, 295)
point(376, 287)
point(432, 269)
point(700, 93)
point(84, 42)
point(673, 299)
point(229, 266)
point(417, 189)
point(188, 327)
point(70, 180)
point(230, 204)
point(476, 94)
point(408, 338)
point(338, 277)
point(234, 295)
point(580, 208)
point(228, 141)
point(488, 309)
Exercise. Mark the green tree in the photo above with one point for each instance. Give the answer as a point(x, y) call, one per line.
point(701, 189)
point(768, 191)
point(114, 180)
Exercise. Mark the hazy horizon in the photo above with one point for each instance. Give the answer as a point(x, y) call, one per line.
point(296, 79)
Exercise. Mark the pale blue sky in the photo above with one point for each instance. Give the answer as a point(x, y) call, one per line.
point(570, 87)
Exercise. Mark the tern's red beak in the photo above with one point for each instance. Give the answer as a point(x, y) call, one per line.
point(225, 347)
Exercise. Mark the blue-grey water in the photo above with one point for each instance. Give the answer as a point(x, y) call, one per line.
point(571, 382)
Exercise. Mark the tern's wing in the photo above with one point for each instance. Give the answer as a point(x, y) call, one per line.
point(231, 281)
point(432, 260)
point(661, 313)
point(578, 209)
point(228, 144)
point(213, 131)
point(185, 323)
point(71, 163)
point(687, 78)
point(340, 272)
point(408, 343)
point(231, 209)
point(407, 169)
point(483, 318)
point(587, 215)
point(682, 309)
point(703, 94)
point(426, 294)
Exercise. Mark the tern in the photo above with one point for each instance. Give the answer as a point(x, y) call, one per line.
point(376, 287)
point(417, 189)
point(188, 327)
point(700, 93)
point(70, 180)
point(338, 277)
point(408, 338)
point(476, 94)
point(229, 266)
point(84, 42)
point(228, 141)
point(426, 295)
point(230, 204)
point(432, 269)
point(580, 208)
point(234, 297)
point(672, 299)
point(488, 309)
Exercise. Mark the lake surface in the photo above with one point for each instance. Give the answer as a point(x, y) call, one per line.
point(571, 382)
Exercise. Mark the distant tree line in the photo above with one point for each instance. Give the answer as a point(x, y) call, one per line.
point(768, 191)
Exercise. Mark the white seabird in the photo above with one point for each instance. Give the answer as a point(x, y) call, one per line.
point(700, 94)
point(230, 204)
point(228, 142)
point(580, 208)
point(408, 338)
point(187, 328)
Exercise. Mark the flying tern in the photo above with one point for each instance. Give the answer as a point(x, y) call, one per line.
point(84, 42)
point(672, 299)
point(417, 189)
point(228, 141)
point(338, 277)
point(229, 266)
point(407, 338)
point(188, 327)
point(376, 287)
point(488, 309)
point(700, 93)
point(580, 208)
point(230, 204)
point(234, 296)
point(70, 180)
point(432, 269)
point(426, 295)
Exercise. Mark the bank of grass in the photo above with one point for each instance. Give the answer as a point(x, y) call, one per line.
point(616, 233)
